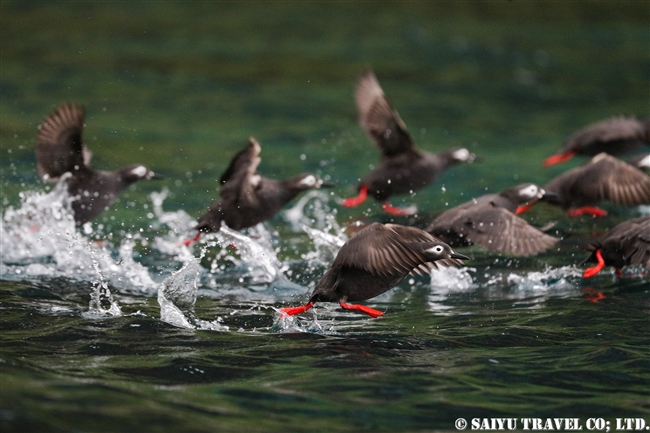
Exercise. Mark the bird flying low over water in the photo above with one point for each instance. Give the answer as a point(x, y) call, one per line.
point(602, 178)
point(626, 244)
point(615, 136)
point(374, 261)
point(60, 150)
point(247, 198)
point(403, 168)
point(491, 220)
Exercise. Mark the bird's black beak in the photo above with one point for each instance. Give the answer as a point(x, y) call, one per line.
point(327, 185)
point(153, 175)
point(550, 197)
point(455, 255)
point(476, 158)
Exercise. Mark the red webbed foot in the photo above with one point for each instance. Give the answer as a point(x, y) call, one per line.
point(188, 242)
point(292, 311)
point(524, 208)
point(369, 311)
point(388, 208)
point(556, 159)
point(590, 272)
point(356, 201)
point(590, 210)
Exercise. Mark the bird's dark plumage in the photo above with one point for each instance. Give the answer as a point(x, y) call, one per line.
point(626, 244)
point(614, 136)
point(403, 167)
point(490, 220)
point(247, 198)
point(60, 150)
point(602, 178)
point(375, 260)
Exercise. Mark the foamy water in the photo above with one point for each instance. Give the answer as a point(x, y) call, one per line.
point(40, 239)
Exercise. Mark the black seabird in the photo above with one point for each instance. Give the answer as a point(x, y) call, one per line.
point(626, 244)
point(602, 178)
point(60, 149)
point(374, 261)
point(403, 168)
point(491, 220)
point(615, 136)
point(247, 198)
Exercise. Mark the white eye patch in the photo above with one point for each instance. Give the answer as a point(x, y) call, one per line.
point(461, 154)
point(531, 191)
point(139, 171)
point(438, 249)
point(308, 181)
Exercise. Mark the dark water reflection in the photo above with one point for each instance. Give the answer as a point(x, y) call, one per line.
point(181, 87)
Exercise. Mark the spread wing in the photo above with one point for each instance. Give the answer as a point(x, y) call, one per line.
point(379, 119)
point(607, 178)
point(240, 179)
point(613, 129)
point(495, 228)
point(59, 147)
point(632, 239)
point(387, 250)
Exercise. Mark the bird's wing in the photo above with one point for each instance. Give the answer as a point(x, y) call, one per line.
point(379, 119)
point(498, 229)
point(635, 241)
point(245, 161)
point(613, 129)
point(240, 179)
point(59, 147)
point(384, 250)
point(607, 178)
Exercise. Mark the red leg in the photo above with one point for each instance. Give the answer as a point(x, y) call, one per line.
point(188, 242)
point(369, 311)
point(388, 208)
point(292, 311)
point(524, 208)
point(619, 272)
point(590, 272)
point(556, 159)
point(593, 211)
point(356, 201)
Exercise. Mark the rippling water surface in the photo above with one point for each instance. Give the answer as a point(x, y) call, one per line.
point(116, 326)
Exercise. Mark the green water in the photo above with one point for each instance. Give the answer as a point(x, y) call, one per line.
point(181, 86)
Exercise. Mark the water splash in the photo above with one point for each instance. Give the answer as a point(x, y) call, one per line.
point(256, 254)
point(446, 281)
point(326, 245)
point(33, 230)
point(177, 297)
point(180, 225)
point(551, 279)
point(313, 215)
point(129, 275)
point(102, 303)
point(41, 238)
point(293, 324)
point(312, 210)
point(451, 278)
